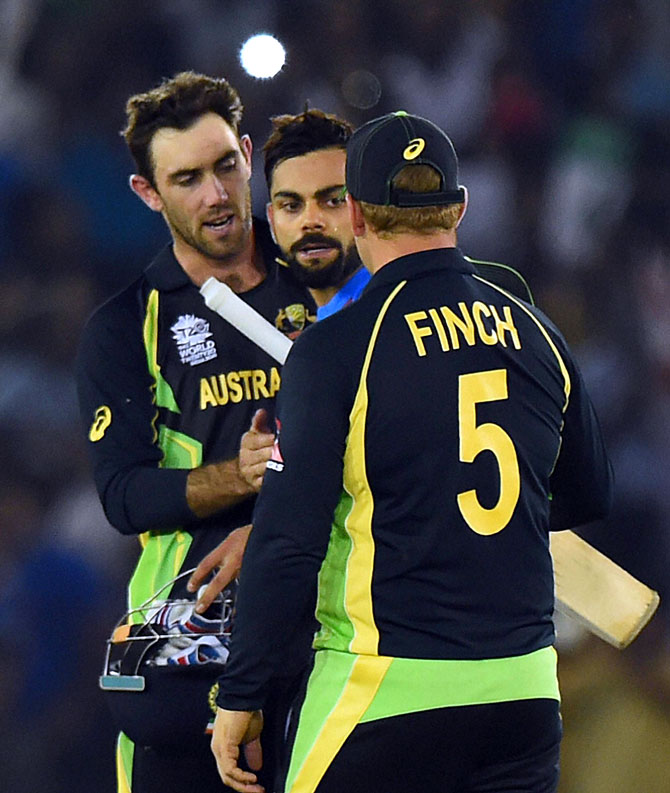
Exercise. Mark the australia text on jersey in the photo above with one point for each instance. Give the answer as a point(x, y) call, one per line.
point(238, 386)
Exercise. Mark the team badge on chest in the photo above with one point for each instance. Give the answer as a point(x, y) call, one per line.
point(192, 335)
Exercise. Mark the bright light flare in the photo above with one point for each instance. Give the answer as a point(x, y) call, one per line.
point(262, 56)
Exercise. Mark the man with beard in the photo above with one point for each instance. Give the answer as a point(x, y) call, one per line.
point(305, 157)
point(304, 161)
point(424, 552)
point(304, 164)
point(166, 389)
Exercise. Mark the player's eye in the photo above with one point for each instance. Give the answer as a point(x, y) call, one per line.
point(186, 179)
point(227, 165)
point(338, 198)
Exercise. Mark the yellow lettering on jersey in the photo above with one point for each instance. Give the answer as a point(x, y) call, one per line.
point(477, 322)
point(506, 325)
point(206, 394)
point(275, 381)
point(260, 381)
point(245, 385)
point(245, 374)
point(479, 308)
point(101, 420)
point(418, 333)
point(463, 324)
point(439, 327)
point(234, 388)
point(220, 389)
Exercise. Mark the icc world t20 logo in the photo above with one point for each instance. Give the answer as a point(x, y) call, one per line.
point(192, 335)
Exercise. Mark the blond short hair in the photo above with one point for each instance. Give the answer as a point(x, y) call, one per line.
point(389, 220)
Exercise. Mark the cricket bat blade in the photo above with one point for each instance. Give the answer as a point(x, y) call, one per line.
point(597, 592)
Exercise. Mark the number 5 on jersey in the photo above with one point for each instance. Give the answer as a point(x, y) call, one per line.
point(490, 386)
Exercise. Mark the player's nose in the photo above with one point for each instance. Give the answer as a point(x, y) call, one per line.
point(215, 190)
point(312, 217)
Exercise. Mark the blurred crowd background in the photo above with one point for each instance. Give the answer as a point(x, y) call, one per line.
point(560, 112)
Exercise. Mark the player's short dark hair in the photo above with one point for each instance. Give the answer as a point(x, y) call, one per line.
point(295, 135)
point(176, 102)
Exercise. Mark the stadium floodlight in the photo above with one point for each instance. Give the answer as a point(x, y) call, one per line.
point(262, 56)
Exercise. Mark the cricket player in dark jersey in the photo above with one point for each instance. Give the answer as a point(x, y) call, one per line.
point(448, 431)
point(304, 163)
point(167, 388)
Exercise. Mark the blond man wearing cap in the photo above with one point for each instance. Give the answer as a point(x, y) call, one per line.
point(430, 436)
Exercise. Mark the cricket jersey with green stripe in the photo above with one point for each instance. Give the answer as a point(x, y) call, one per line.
point(429, 436)
point(166, 385)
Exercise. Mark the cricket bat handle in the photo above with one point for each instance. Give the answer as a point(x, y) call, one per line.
point(221, 299)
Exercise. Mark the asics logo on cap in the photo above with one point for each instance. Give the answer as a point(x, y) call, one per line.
point(414, 148)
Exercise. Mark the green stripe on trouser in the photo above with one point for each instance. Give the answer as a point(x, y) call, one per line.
point(161, 560)
point(345, 690)
point(125, 749)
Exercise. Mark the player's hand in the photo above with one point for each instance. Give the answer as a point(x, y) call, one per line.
point(256, 449)
point(232, 729)
point(227, 556)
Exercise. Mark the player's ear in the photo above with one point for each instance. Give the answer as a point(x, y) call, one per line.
point(356, 216)
point(247, 148)
point(270, 215)
point(464, 205)
point(143, 188)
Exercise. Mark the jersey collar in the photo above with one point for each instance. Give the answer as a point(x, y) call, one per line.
point(350, 292)
point(416, 264)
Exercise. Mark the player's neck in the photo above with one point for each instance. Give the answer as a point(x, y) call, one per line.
point(327, 293)
point(382, 251)
point(241, 271)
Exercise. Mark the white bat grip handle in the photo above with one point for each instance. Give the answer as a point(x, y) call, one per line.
point(221, 298)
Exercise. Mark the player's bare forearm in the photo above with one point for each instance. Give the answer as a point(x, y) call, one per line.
point(227, 556)
point(214, 487)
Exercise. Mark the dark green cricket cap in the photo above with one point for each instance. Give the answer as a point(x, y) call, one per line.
point(382, 147)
